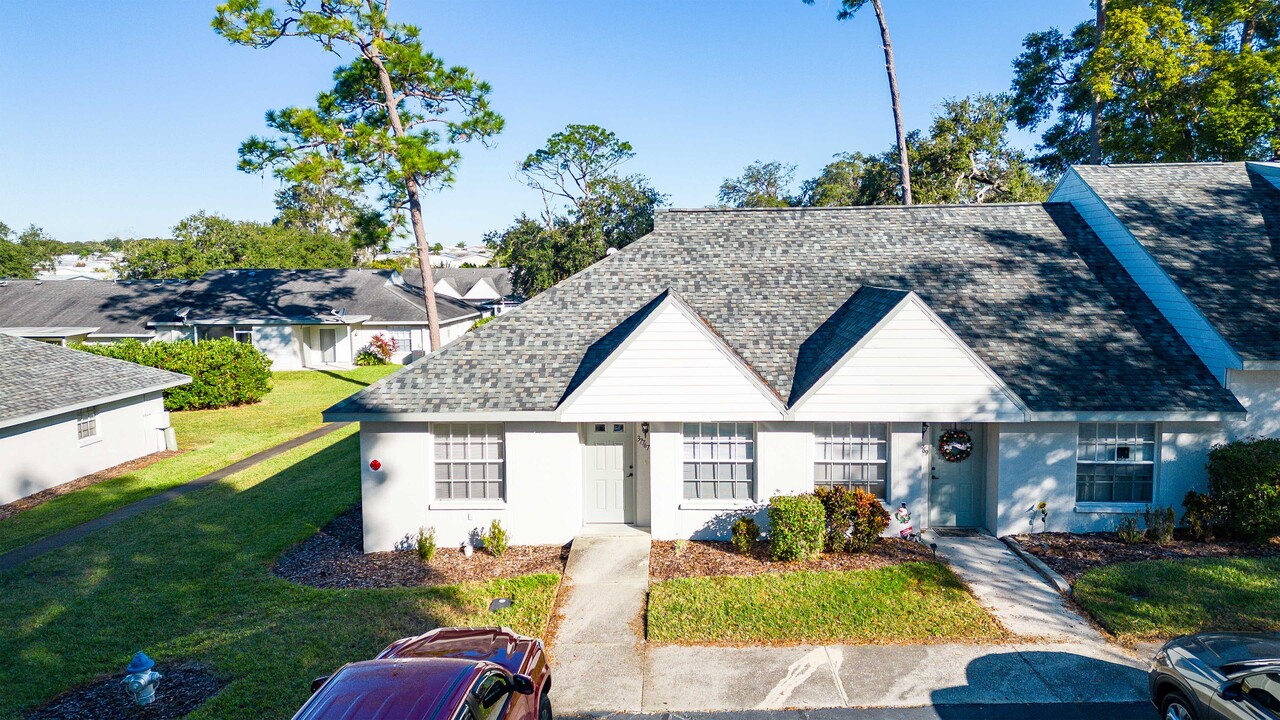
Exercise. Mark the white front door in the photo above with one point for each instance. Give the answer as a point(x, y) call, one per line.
point(957, 489)
point(605, 474)
point(329, 345)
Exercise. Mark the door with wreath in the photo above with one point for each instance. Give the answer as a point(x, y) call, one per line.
point(957, 477)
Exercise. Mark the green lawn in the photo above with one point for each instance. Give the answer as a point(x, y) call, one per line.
point(191, 580)
point(911, 602)
point(1163, 598)
point(209, 439)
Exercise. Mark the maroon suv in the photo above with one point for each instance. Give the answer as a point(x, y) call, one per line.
point(446, 674)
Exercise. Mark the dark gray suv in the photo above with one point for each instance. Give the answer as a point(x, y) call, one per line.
point(1218, 675)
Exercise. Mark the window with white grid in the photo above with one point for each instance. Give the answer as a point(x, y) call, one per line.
point(403, 338)
point(851, 455)
point(87, 424)
point(1116, 462)
point(469, 461)
point(719, 461)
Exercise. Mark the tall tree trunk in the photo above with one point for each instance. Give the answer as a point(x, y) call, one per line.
point(415, 202)
point(898, 127)
point(1095, 124)
point(1246, 34)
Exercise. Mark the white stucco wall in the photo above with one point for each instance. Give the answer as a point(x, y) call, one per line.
point(1259, 392)
point(1037, 461)
point(39, 455)
point(543, 487)
point(279, 344)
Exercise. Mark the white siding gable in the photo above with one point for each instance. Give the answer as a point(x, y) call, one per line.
point(910, 367)
point(445, 287)
point(482, 290)
point(1212, 349)
point(671, 367)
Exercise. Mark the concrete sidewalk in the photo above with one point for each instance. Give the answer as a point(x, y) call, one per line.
point(699, 679)
point(599, 651)
point(1012, 591)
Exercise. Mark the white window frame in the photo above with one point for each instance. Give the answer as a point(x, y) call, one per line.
point(471, 449)
point(238, 330)
point(1107, 443)
point(408, 332)
point(87, 426)
point(849, 448)
point(730, 451)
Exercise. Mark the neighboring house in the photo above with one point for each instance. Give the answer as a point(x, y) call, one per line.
point(98, 266)
point(65, 414)
point(314, 318)
point(969, 361)
point(475, 256)
point(299, 318)
point(85, 310)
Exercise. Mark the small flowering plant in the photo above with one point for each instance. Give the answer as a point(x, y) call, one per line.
point(1042, 507)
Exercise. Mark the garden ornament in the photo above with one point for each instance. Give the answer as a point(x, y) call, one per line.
point(903, 516)
point(142, 680)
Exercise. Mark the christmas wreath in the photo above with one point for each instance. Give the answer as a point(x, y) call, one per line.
point(955, 446)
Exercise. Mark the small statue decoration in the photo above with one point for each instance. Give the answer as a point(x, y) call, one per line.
point(903, 516)
point(142, 680)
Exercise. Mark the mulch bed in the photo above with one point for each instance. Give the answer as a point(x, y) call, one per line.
point(44, 496)
point(181, 691)
point(704, 558)
point(334, 558)
point(1072, 555)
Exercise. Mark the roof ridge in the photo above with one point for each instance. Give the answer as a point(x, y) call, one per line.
point(824, 208)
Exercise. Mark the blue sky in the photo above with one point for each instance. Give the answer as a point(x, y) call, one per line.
point(120, 118)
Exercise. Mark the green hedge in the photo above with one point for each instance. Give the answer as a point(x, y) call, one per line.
point(223, 372)
point(1244, 487)
point(797, 524)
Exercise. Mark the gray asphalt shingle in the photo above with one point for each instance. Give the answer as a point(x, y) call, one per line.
point(1028, 287)
point(39, 378)
point(1214, 228)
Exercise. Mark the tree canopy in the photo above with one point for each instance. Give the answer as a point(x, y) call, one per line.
point(1175, 81)
point(391, 126)
point(761, 184)
point(204, 242)
point(588, 208)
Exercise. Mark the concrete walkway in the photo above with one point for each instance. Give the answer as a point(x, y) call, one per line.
point(18, 556)
point(599, 650)
point(1013, 592)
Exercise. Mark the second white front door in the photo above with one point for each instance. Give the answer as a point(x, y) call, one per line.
point(606, 481)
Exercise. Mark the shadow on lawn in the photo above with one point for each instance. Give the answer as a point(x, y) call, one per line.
point(191, 581)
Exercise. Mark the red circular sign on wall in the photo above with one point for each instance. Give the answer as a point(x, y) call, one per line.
point(375, 465)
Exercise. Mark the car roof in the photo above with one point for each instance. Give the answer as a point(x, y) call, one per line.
point(392, 689)
point(1237, 651)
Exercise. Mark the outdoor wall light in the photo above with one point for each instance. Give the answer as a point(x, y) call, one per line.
point(644, 428)
point(142, 680)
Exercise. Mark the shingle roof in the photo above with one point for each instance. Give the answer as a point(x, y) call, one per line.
point(1214, 228)
point(38, 379)
point(113, 308)
point(1028, 287)
point(463, 279)
point(312, 293)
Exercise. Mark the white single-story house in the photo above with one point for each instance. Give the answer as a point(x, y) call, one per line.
point(968, 361)
point(65, 414)
point(299, 318)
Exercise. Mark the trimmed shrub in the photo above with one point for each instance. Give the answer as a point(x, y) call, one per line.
point(495, 539)
point(377, 352)
point(1244, 483)
point(745, 534)
point(1128, 531)
point(426, 544)
point(367, 357)
point(797, 525)
point(1160, 523)
point(223, 372)
point(854, 518)
point(1200, 515)
point(482, 322)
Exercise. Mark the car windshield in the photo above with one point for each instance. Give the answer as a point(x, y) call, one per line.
point(410, 690)
point(1264, 689)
